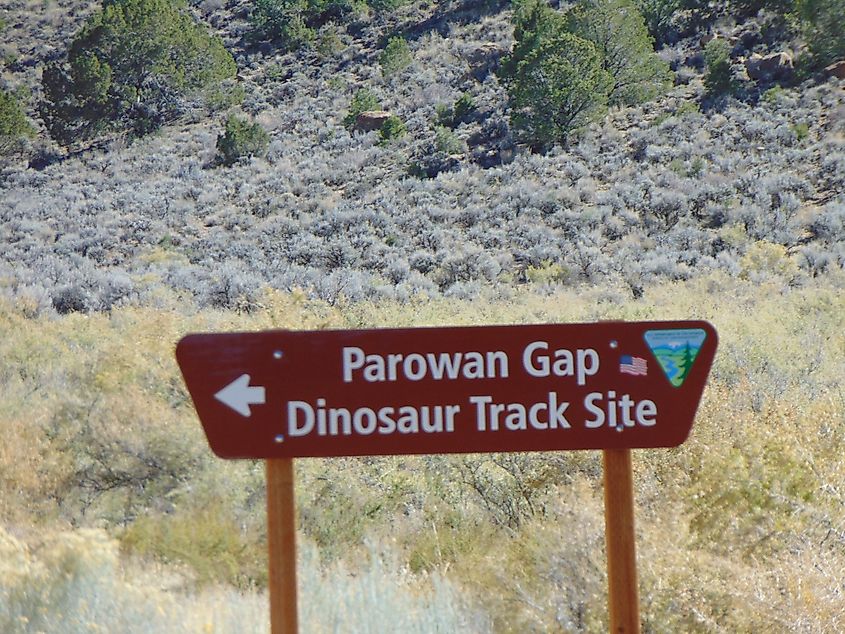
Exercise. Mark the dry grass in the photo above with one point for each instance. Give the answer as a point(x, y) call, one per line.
point(741, 529)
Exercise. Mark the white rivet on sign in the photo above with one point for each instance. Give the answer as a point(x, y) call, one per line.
point(279, 438)
point(277, 354)
point(619, 428)
point(614, 344)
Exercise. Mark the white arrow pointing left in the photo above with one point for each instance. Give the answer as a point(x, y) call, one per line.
point(239, 395)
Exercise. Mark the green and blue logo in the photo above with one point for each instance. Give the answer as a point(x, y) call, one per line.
point(676, 351)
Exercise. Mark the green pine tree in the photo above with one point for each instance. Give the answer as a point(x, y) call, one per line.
point(14, 126)
point(291, 24)
point(134, 66)
point(618, 31)
point(284, 21)
point(396, 56)
point(688, 359)
point(823, 27)
point(555, 79)
point(241, 138)
point(534, 21)
point(718, 78)
point(661, 17)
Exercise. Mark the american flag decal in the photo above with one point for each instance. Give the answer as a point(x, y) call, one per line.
point(633, 365)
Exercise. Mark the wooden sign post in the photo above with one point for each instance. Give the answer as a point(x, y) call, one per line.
point(281, 545)
point(622, 589)
point(614, 386)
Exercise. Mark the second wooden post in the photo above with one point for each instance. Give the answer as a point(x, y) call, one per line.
point(623, 593)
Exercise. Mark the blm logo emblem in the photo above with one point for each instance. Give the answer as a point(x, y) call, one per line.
point(675, 351)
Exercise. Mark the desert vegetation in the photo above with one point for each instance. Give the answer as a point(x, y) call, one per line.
point(665, 189)
point(740, 528)
point(169, 167)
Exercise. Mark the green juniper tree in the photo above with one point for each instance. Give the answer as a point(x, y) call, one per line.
point(395, 57)
point(391, 129)
point(566, 68)
point(661, 17)
point(241, 138)
point(558, 87)
point(284, 22)
point(823, 26)
point(134, 66)
point(555, 79)
point(534, 21)
point(618, 31)
point(718, 78)
point(14, 126)
point(290, 24)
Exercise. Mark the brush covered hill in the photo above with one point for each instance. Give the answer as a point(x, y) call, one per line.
point(749, 183)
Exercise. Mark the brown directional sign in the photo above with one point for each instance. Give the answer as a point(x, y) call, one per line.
point(607, 385)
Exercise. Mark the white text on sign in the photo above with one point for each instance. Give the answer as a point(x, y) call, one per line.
point(604, 409)
point(537, 360)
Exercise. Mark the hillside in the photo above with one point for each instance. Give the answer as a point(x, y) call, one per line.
point(667, 190)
